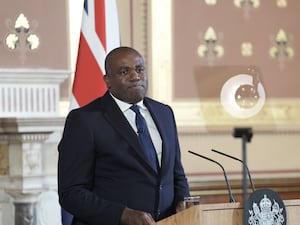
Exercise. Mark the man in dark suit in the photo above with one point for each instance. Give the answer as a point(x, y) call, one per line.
point(103, 175)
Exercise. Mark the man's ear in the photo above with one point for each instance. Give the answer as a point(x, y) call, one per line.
point(106, 80)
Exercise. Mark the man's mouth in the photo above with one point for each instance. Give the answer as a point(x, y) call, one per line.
point(137, 86)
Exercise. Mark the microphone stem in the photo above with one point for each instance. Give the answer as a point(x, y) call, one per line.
point(231, 198)
point(232, 157)
point(245, 184)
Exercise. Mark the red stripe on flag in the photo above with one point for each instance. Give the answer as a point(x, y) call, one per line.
point(100, 23)
point(88, 82)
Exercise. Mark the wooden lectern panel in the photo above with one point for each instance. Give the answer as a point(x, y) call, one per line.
point(225, 214)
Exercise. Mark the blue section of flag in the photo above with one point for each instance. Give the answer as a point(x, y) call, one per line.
point(86, 6)
point(66, 218)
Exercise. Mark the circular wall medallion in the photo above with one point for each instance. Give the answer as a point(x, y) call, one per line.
point(241, 98)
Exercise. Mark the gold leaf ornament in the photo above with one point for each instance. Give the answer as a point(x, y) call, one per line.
point(219, 51)
point(273, 52)
point(33, 41)
point(202, 50)
point(289, 52)
point(21, 21)
point(210, 35)
point(11, 41)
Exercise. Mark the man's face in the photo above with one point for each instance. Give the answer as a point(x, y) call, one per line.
point(126, 77)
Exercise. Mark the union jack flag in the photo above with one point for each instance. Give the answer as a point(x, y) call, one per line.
point(99, 34)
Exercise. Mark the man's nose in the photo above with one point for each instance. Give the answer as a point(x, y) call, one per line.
point(134, 74)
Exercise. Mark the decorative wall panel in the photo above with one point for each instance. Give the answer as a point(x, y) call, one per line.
point(235, 63)
point(264, 35)
point(34, 37)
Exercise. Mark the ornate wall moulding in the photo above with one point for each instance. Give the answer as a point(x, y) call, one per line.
point(22, 36)
point(206, 113)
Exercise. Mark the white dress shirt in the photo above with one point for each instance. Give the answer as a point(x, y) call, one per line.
point(130, 115)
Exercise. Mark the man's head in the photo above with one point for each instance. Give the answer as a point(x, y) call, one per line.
point(126, 76)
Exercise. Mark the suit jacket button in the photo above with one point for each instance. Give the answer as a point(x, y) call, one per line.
point(158, 213)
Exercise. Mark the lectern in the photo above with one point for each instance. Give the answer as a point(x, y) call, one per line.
point(225, 214)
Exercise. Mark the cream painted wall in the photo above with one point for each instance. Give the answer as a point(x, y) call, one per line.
point(268, 155)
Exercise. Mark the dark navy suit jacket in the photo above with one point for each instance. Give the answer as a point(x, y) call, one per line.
point(101, 168)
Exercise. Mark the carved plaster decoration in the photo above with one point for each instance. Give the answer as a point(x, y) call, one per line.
point(32, 159)
point(281, 49)
point(210, 49)
point(24, 213)
point(211, 2)
point(281, 3)
point(21, 36)
point(4, 162)
point(246, 49)
point(20, 138)
point(246, 5)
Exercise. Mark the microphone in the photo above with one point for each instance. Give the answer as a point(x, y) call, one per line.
point(140, 130)
point(232, 157)
point(231, 198)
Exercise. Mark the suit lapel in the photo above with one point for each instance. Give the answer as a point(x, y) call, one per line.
point(158, 117)
point(116, 118)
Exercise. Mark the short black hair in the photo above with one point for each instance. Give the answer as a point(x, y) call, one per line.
point(109, 57)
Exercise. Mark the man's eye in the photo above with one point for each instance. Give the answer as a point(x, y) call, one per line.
point(124, 72)
point(140, 69)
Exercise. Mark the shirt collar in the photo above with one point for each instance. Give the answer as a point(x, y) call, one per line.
point(125, 106)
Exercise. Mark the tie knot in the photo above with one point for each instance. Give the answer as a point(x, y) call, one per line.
point(135, 108)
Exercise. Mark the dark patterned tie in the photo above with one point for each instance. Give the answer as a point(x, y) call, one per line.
point(144, 137)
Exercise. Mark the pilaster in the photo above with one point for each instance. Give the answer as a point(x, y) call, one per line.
point(27, 177)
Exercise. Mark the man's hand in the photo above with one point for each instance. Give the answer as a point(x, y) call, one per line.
point(135, 217)
point(180, 206)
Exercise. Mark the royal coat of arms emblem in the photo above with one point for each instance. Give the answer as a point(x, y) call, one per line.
point(267, 209)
